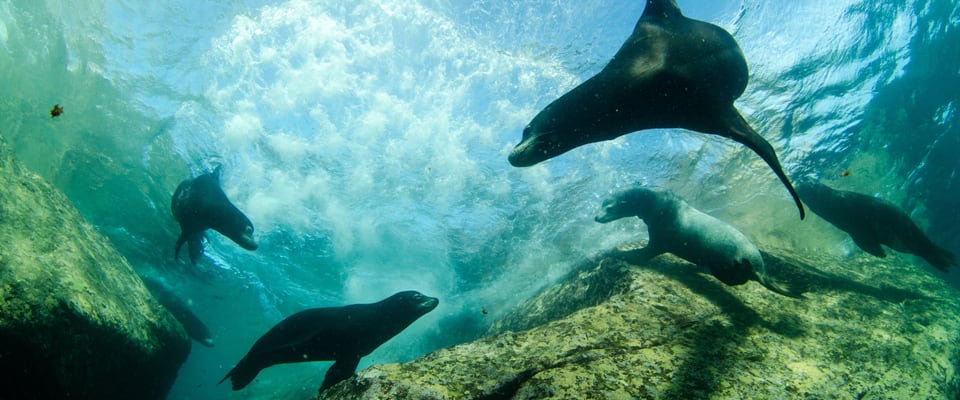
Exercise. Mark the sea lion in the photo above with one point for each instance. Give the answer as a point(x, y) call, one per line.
point(871, 222)
point(672, 72)
point(676, 227)
point(199, 204)
point(339, 334)
point(165, 295)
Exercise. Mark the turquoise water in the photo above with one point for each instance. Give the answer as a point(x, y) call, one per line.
point(367, 142)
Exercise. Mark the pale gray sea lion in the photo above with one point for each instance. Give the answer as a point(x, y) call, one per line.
point(672, 72)
point(677, 228)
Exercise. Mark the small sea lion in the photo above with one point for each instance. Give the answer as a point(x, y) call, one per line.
point(199, 204)
point(56, 111)
point(676, 227)
point(165, 295)
point(872, 222)
point(672, 72)
point(339, 334)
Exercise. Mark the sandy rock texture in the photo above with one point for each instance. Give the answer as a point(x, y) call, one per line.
point(867, 328)
point(75, 320)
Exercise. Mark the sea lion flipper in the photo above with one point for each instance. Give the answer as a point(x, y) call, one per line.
point(662, 9)
point(869, 245)
point(939, 257)
point(340, 370)
point(739, 130)
point(196, 248)
point(216, 174)
point(796, 294)
point(241, 375)
point(639, 256)
point(176, 250)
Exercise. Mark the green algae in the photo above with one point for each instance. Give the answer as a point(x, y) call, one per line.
point(73, 313)
point(867, 328)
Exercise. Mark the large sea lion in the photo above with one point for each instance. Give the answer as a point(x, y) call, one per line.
point(872, 222)
point(165, 295)
point(339, 334)
point(672, 72)
point(199, 204)
point(676, 227)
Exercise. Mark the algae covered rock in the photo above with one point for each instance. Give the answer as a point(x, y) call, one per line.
point(867, 328)
point(75, 320)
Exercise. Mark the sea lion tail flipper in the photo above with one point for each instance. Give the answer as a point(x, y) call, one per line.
point(940, 258)
point(792, 292)
point(738, 129)
point(341, 369)
point(241, 375)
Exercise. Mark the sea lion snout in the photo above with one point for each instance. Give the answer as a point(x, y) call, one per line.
point(428, 304)
point(520, 155)
point(604, 215)
point(246, 239)
point(248, 243)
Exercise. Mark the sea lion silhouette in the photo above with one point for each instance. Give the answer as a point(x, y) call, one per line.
point(165, 295)
point(676, 227)
point(672, 72)
point(199, 204)
point(340, 334)
point(872, 222)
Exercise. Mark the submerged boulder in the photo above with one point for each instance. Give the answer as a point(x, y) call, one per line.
point(867, 328)
point(75, 320)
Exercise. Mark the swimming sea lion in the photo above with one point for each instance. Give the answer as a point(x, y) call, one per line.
point(165, 295)
point(339, 334)
point(871, 222)
point(676, 227)
point(672, 72)
point(200, 204)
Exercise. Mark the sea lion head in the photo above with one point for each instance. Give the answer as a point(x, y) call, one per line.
point(635, 201)
point(240, 231)
point(540, 142)
point(413, 301)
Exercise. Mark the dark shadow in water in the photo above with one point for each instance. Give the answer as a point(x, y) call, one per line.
point(814, 280)
point(595, 280)
point(700, 374)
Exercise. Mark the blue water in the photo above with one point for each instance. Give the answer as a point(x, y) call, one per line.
point(367, 142)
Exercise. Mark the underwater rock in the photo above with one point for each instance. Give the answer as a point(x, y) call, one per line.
point(869, 328)
point(75, 319)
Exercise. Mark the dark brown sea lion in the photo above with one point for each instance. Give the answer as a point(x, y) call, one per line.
point(339, 334)
point(872, 222)
point(672, 72)
point(199, 204)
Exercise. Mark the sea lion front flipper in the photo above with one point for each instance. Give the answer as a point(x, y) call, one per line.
point(939, 257)
point(340, 370)
point(195, 243)
point(639, 256)
point(869, 245)
point(196, 248)
point(176, 250)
